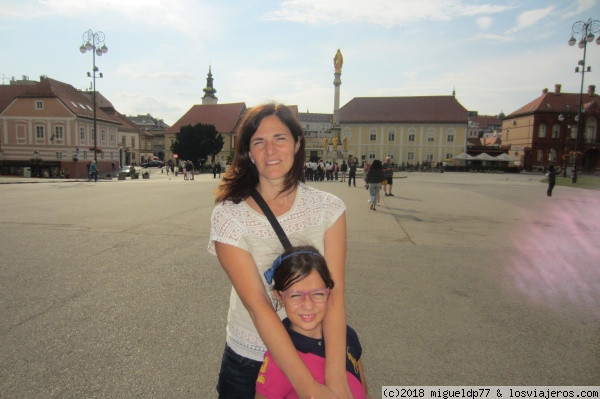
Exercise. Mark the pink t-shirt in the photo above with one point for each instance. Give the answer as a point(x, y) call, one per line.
point(273, 384)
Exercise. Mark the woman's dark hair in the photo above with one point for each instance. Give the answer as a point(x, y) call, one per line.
point(551, 168)
point(376, 165)
point(296, 267)
point(242, 176)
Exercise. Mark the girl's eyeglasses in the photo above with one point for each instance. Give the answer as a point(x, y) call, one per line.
point(295, 297)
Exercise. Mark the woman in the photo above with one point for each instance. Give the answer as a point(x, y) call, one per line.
point(374, 178)
point(269, 157)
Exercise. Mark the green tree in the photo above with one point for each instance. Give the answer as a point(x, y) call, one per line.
point(196, 143)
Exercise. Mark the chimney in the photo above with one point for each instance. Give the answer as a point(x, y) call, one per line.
point(591, 90)
point(557, 89)
point(545, 91)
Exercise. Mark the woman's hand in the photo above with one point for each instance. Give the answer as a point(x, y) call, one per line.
point(317, 391)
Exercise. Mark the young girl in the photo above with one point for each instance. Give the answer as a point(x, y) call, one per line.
point(302, 284)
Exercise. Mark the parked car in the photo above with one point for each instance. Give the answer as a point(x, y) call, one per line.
point(153, 164)
point(128, 170)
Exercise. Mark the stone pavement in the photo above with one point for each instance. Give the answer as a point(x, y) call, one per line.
point(107, 290)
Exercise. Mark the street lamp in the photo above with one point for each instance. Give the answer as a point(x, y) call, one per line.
point(586, 30)
point(568, 134)
point(94, 41)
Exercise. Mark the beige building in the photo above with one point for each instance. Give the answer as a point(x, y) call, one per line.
point(408, 129)
point(48, 126)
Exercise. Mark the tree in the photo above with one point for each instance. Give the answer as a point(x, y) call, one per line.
point(196, 143)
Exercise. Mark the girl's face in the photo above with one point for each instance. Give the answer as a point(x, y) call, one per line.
point(306, 317)
point(272, 149)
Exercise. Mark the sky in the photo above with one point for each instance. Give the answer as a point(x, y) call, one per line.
point(496, 55)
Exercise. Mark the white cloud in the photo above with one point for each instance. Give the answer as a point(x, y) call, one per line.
point(484, 23)
point(378, 12)
point(530, 18)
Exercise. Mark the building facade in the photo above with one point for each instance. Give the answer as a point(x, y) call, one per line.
point(47, 128)
point(544, 131)
point(407, 129)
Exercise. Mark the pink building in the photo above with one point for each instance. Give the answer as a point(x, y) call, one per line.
point(48, 126)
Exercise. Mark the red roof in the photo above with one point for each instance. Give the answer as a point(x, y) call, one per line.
point(224, 117)
point(76, 101)
point(425, 109)
point(552, 102)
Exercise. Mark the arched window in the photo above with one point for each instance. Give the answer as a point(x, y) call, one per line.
point(555, 131)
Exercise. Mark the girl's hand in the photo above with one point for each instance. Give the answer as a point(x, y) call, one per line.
point(320, 392)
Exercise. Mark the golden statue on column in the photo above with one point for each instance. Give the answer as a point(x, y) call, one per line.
point(338, 61)
point(335, 141)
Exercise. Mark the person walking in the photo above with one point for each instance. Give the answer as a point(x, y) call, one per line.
point(268, 161)
point(551, 179)
point(214, 169)
point(388, 171)
point(343, 170)
point(374, 178)
point(352, 165)
point(93, 171)
point(301, 284)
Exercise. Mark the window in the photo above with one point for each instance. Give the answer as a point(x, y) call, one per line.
point(411, 156)
point(450, 136)
point(93, 135)
point(103, 135)
point(449, 155)
point(573, 132)
point(82, 133)
point(58, 132)
point(392, 135)
point(59, 155)
point(124, 140)
point(552, 155)
point(429, 156)
point(84, 154)
point(540, 155)
point(149, 145)
point(412, 134)
point(39, 132)
point(430, 135)
point(542, 131)
point(112, 138)
point(590, 134)
point(555, 131)
point(371, 156)
point(373, 134)
point(133, 142)
point(39, 105)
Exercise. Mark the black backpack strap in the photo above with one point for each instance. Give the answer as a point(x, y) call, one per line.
point(272, 219)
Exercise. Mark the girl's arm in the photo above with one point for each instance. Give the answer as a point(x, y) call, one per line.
point(241, 270)
point(334, 324)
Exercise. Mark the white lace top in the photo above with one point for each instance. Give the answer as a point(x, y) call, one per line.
point(312, 213)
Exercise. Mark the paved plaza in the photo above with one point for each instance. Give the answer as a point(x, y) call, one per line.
point(107, 289)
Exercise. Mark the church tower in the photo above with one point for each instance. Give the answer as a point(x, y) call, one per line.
point(209, 91)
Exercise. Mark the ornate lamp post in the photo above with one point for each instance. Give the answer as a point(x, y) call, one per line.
point(94, 41)
point(586, 30)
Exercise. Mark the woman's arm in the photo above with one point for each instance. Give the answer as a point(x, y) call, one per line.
point(334, 324)
point(363, 379)
point(241, 270)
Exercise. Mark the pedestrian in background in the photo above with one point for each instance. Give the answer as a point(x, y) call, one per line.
point(388, 171)
point(551, 179)
point(374, 178)
point(352, 165)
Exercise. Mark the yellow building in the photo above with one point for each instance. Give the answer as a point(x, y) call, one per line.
point(408, 129)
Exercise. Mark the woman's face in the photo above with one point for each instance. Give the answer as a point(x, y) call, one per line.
point(272, 149)
point(307, 316)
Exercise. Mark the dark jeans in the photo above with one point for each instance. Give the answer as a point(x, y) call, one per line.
point(237, 378)
point(351, 177)
point(550, 188)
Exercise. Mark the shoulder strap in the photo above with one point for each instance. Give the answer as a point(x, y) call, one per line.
point(272, 219)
